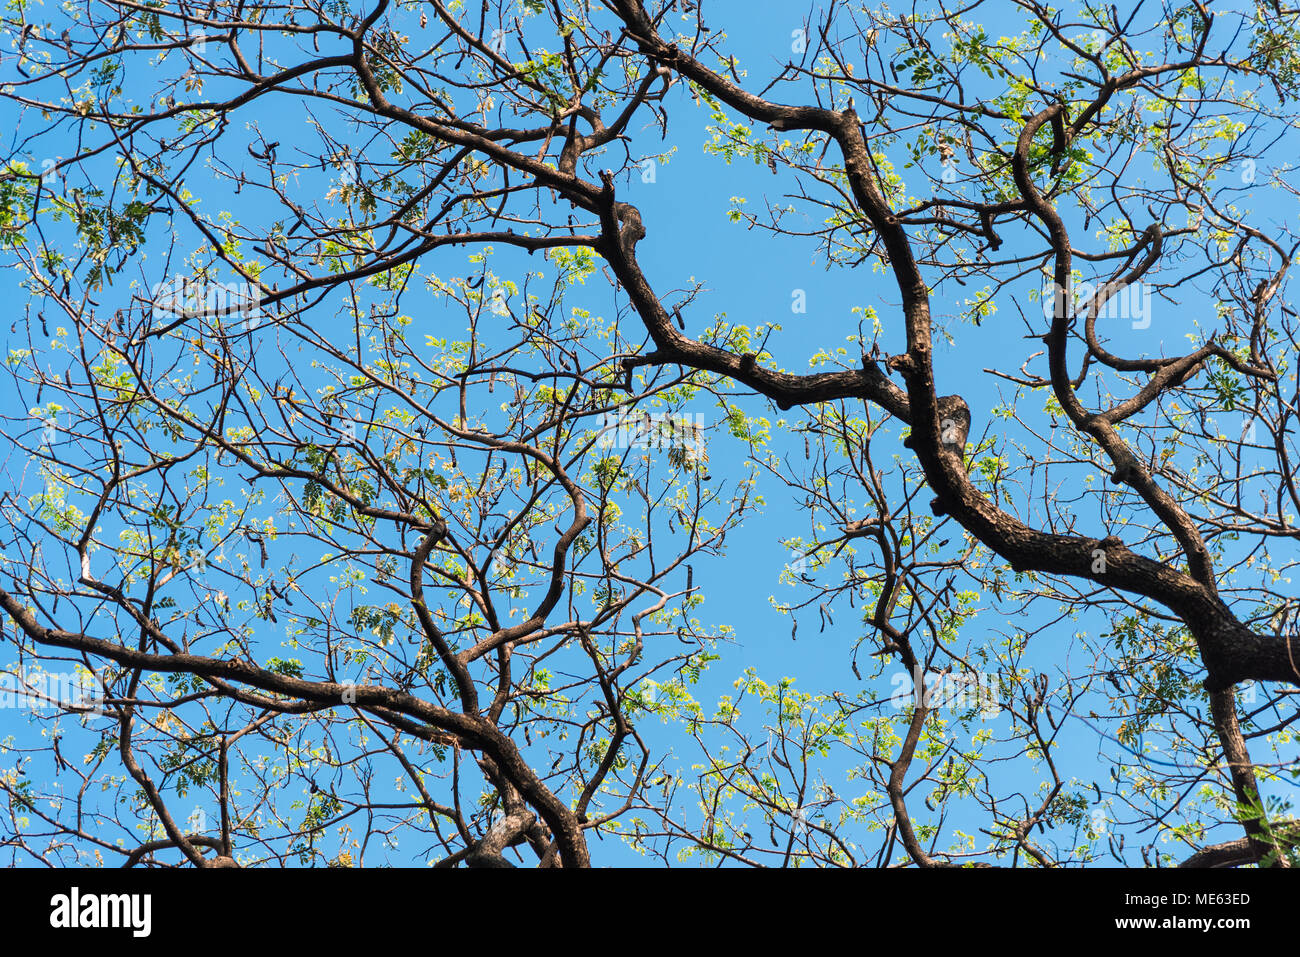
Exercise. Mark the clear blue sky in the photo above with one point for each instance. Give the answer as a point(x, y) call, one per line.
point(751, 278)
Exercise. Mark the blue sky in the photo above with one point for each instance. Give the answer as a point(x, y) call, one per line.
point(754, 279)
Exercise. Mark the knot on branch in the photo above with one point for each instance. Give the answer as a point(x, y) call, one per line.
point(954, 422)
point(1124, 474)
point(904, 364)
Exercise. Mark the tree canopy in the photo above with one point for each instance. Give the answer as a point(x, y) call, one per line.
point(556, 433)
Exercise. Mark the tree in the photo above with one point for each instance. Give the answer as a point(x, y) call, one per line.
point(365, 478)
